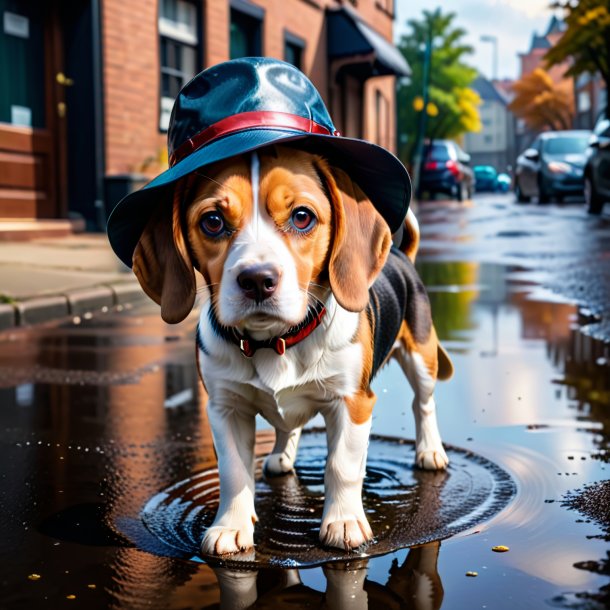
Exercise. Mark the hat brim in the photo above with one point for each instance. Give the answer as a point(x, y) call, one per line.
point(381, 176)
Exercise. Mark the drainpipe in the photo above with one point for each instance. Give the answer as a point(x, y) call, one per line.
point(98, 113)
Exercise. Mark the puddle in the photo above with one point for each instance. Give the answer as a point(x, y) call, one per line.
point(405, 506)
point(82, 456)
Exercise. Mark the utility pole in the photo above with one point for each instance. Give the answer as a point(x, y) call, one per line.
point(421, 131)
point(494, 41)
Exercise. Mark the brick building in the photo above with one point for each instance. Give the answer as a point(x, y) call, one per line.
point(535, 58)
point(87, 86)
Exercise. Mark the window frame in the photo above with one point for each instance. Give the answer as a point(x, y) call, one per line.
point(166, 30)
point(293, 40)
point(253, 13)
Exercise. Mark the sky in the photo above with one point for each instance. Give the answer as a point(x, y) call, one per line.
point(512, 21)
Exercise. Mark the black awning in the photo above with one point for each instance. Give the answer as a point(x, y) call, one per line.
point(348, 35)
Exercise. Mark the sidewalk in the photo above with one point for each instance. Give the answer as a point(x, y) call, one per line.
point(49, 278)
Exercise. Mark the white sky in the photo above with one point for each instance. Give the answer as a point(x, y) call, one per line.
point(512, 21)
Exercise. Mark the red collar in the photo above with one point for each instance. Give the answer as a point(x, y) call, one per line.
point(248, 346)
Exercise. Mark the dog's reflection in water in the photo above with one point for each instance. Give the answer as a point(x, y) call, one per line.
point(414, 585)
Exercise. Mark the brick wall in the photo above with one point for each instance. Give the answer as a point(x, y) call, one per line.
point(131, 68)
point(131, 84)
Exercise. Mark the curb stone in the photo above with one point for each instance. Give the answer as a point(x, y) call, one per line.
point(41, 309)
point(129, 292)
point(7, 316)
point(89, 299)
point(72, 303)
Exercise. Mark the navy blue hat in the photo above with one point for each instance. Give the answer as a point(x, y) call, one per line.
point(242, 105)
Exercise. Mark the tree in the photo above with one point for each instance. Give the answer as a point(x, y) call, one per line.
point(586, 41)
point(453, 106)
point(541, 103)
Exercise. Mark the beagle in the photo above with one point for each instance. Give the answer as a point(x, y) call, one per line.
point(306, 299)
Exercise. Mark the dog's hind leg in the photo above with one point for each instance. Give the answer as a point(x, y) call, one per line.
point(420, 363)
point(281, 459)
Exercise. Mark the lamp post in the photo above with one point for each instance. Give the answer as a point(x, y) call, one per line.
point(421, 130)
point(494, 41)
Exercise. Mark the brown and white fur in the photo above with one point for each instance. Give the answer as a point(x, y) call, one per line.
point(329, 372)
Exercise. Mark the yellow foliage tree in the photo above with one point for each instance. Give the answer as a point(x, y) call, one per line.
point(542, 103)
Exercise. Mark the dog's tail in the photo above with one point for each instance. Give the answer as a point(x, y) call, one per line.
point(409, 242)
point(445, 366)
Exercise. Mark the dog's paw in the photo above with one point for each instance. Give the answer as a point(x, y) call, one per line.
point(277, 464)
point(347, 534)
point(220, 540)
point(432, 459)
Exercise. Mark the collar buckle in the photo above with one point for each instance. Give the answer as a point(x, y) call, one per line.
point(280, 346)
point(246, 348)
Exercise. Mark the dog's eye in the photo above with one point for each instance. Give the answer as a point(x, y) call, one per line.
point(212, 224)
point(303, 220)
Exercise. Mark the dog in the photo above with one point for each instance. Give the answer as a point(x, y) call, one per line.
point(307, 300)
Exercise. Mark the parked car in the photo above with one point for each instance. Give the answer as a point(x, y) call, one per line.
point(552, 167)
point(504, 182)
point(597, 167)
point(445, 170)
point(486, 178)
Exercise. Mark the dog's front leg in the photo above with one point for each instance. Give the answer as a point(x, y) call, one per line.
point(234, 433)
point(344, 524)
point(281, 459)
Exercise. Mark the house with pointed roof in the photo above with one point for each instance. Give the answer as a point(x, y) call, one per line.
point(494, 144)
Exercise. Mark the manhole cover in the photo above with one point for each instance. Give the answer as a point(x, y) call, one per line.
point(405, 506)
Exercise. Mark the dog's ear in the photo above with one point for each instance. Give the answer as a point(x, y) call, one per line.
point(361, 240)
point(162, 263)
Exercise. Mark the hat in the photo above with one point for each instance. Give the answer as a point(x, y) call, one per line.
point(245, 104)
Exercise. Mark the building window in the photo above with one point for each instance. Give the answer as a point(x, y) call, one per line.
point(180, 51)
point(246, 29)
point(382, 120)
point(294, 48)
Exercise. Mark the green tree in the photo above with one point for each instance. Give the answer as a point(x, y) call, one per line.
point(453, 105)
point(586, 41)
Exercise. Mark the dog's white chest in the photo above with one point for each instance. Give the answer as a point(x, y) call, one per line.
point(290, 389)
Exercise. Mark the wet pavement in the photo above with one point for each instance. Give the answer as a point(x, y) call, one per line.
point(101, 415)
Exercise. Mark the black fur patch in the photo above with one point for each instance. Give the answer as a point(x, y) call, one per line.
point(199, 340)
point(398, 294)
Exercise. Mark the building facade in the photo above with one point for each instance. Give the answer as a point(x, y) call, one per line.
point(494, 144)
point(535, 58)
point(88, 85)
point(591, 98)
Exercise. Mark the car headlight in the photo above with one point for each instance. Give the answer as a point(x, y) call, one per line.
point(559, 167)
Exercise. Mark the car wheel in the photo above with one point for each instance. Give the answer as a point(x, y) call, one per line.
point(521, 198)
point(594, 202)
point(462, 192)
point(543, 193)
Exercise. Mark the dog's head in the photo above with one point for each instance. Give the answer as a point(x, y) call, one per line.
point(266, 231)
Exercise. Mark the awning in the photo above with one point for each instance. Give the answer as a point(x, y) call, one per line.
point(348, 35)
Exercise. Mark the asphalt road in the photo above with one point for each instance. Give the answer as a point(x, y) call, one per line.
point(106, 460)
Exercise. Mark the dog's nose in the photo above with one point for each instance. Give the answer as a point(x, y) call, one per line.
point(259, 281)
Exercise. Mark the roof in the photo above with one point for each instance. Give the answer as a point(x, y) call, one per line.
point(539, 42)
point(556, 26)
point(487, 91)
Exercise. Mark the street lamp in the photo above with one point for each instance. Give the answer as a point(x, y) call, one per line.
point(421, 131)
point(494, 42)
